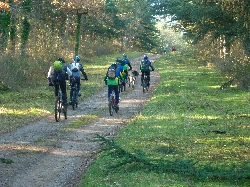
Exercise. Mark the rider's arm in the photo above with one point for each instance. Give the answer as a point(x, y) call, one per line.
point(50, 72)
point(129, 65)
point(69, 72)
point(83, 72)
point(151, 66)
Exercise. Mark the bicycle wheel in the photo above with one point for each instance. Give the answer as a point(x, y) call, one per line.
point(111, 107)
point(144, 85)
point(76, 95)
point(65, 112)
point(147, 84)
point(115, 107)
point(58, 105)
point(124, 86)
point(120, 88)
point(73, 99)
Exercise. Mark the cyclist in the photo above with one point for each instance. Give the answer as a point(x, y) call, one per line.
point(121, 65)
point(145, 66)
point(111, 79)
point(173, 49)
point(76, 68)
point(127, 64)
point(57, 75)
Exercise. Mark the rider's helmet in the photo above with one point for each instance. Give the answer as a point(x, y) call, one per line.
point(76, 58)
point(61, 60)
point(124, 55)
point(145, 57)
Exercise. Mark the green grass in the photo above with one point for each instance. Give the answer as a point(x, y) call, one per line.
point(29, 104)
point(6, 161)
point(191, 133)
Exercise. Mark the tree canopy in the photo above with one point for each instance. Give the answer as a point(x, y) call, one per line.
point(30, 25)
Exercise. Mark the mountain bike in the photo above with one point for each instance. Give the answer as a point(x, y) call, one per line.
point(112, 104)
point(74, 99)
point(58, 107)
point(145, 84)
point(75, 91)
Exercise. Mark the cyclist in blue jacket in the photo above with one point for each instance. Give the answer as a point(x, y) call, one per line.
point(145, 66)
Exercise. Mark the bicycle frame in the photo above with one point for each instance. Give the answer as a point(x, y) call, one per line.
point(112, 104)
point(58, 106)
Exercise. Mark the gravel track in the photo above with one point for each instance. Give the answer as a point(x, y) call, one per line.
point(46, 154)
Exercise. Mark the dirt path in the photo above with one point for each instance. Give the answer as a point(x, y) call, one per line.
point(46, 154)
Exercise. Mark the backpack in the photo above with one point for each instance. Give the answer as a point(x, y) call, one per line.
point(58, 77)
point(75, 66)
point(57, 66)
point(125, 68)
point(111, 72)
point(144, 64)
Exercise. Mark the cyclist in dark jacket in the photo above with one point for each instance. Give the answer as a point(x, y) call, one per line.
point(76, 68)
point(145, 66)
point(57, 78)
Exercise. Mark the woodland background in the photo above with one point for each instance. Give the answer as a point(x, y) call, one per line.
point(33, 33)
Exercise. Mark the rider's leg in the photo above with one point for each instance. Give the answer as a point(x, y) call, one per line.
point(64, 94)
point(116, 94)
point(142, 76)
point(109, 91)
point(71, 93)
point(78, 86)
point(148, 74)
point(56, 88)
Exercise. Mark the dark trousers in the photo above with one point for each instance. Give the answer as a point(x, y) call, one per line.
point(62, 85)
point(115, 88)
point(145, 73)
point(72, 82)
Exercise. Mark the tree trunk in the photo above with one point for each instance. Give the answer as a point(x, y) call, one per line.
point(13, 30)
point(78, 29)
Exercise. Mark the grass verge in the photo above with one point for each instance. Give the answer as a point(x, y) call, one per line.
point(191, 133)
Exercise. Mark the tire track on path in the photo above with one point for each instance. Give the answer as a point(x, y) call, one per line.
point(46, 154)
